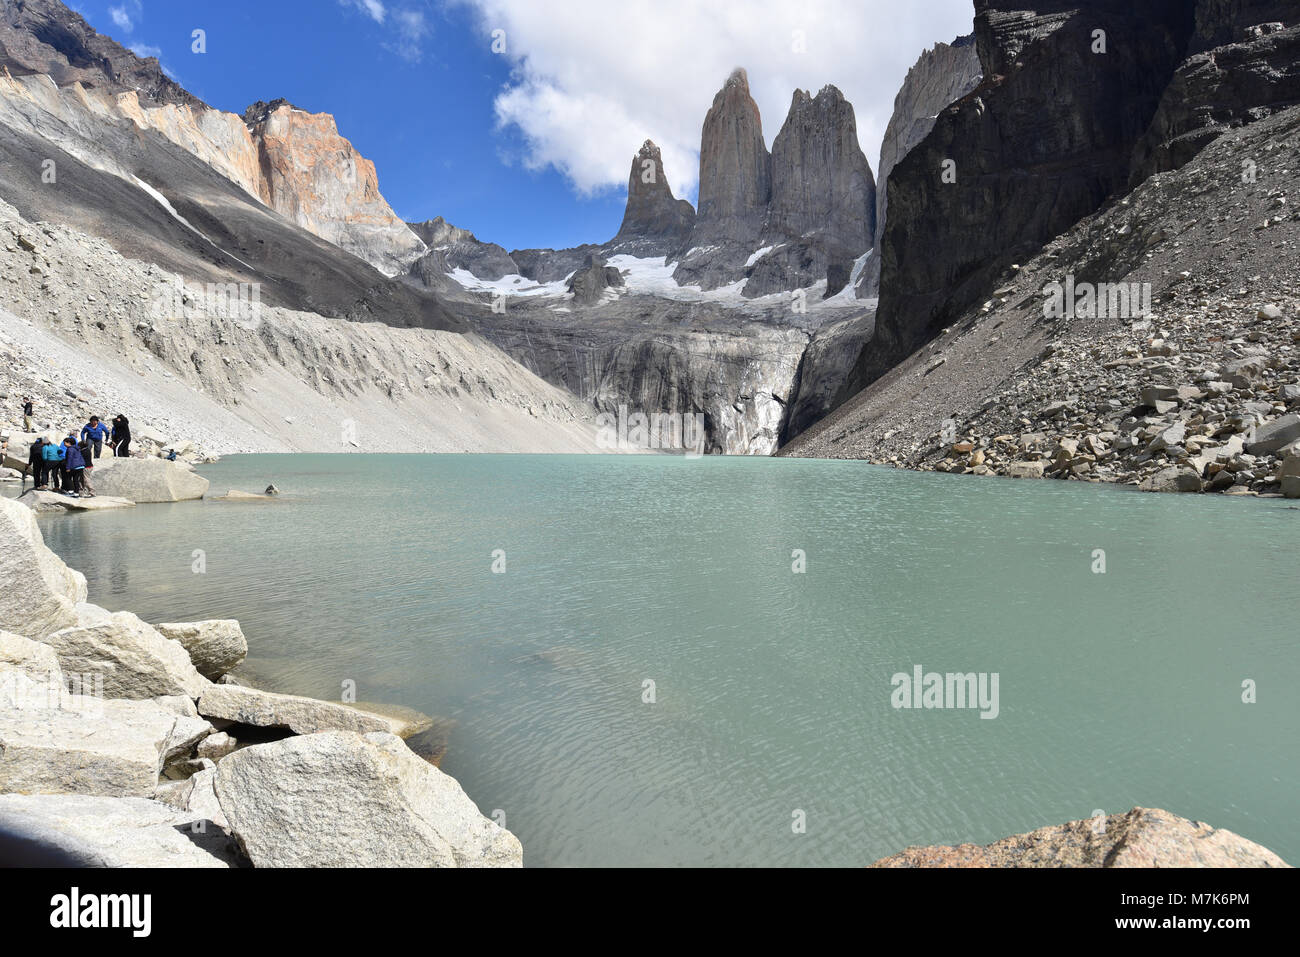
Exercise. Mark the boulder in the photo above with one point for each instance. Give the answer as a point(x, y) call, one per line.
point(40, 592)
point(1177, 478)
point(214, 646)
point(52, 742)
point(1290, 475)
point(265, 709)
point(339, 799)
point(1275, 435)
point(402, 721)
point(133, 658)
point(216, 746)
point(89, 613)
point(147, 480)
point(589, 283)
point(34, 659)
point(1167, 438)
point(54, 502)
point(235, 495)
point(1144, 837)
point(196, 795)
point(1025, 470)
point(1250, 368)
point(94, 831)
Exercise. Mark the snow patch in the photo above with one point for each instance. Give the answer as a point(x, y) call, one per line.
point(511, 285)
point(166, 204)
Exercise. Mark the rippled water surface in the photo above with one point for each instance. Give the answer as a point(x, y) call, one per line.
point(772, 689)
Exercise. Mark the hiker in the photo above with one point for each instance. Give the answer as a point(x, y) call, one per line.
point(35, 464)
point(171, 455)
point(96, 432)
point(121, 436)
point(73, 465)
point(53, 454)
point(27, 414)
point(84, 447)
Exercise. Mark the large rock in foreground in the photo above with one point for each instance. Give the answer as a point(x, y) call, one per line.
point(52, 742)
point(338, 799)
point(215, 646)
point(147, 480)
point(40, 592)
point(266, 709)
point(34, 659)
point(82, 831)
point(134, 660)
point(54, 502)
point(1144, 837)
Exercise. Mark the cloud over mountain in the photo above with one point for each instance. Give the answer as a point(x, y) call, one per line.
point(592, 80)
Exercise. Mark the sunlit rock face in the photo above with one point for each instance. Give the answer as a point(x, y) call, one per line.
point(313, 176)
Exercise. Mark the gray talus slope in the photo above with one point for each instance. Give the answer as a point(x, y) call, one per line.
point(293, 161)
point(158, 202)
point(83, 329)
point(1208, 383)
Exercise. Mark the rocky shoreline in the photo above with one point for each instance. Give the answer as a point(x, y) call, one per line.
point(128, 744)
point(1142, 837)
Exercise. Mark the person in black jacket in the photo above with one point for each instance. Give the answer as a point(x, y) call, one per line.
point(86, 447)
point(121, 440)
point(35, 464)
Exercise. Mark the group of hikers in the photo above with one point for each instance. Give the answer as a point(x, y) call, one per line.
point(66, 466)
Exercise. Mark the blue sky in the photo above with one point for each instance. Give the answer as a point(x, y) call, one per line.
point(530, 145)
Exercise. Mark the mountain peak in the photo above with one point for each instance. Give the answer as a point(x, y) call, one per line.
point(654, 219)
point(735, 172)
point(45, 37)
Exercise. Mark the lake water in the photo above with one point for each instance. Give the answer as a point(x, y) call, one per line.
point(772, 689)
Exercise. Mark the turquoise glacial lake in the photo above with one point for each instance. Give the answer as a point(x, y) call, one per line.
point(650, 681)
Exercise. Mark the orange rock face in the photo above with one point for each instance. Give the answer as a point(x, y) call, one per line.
point(312, 175)
point(294, 162)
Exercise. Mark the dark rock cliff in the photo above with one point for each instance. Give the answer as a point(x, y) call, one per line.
point(823, 197)
point(735, 186)
point(45, 37)
point(654, 221)
point(1042, 142)
point(1243, 64)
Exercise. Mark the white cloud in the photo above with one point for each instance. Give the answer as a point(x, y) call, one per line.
point(592, 79)
point(125, 14)
point(411, 29)
point(371, 8)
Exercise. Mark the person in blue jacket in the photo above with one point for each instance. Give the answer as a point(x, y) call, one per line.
point(95, 432)
point(73, 465)
point(53, 455)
